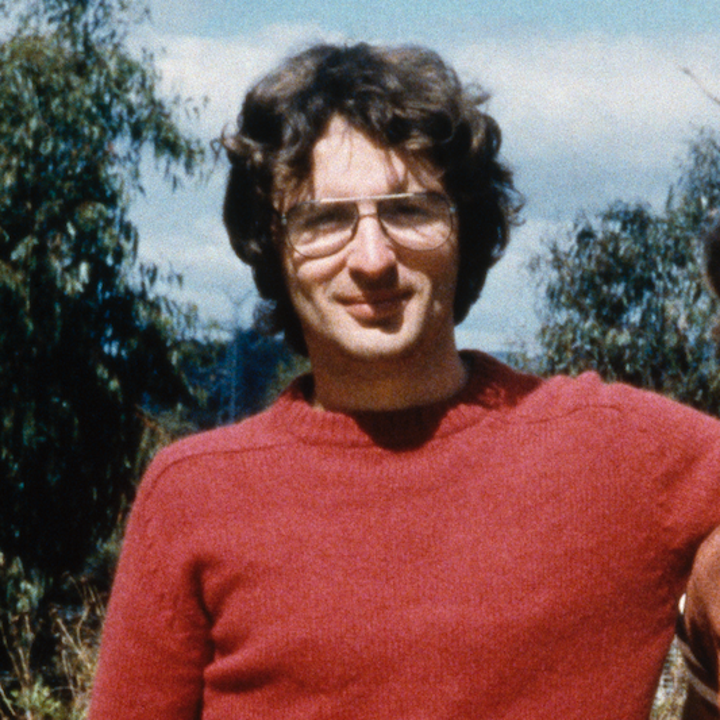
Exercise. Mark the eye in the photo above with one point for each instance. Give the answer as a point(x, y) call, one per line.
point(322, 218)
point(410, 210)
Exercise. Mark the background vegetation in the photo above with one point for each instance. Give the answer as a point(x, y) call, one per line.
point(84, 334)
point(98, 368)
point(624, 292)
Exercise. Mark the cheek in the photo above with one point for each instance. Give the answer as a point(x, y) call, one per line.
point(306, 278)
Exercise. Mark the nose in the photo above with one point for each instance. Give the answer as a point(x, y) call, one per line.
point(371, 251)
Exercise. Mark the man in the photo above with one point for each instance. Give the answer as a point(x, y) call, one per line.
point(410, 531)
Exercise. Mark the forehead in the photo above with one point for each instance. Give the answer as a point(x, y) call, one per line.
point(347, 162)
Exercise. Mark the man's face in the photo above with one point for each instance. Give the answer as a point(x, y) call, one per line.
point(372, 299)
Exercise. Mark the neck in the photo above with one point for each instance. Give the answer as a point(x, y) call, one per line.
point(387, 384)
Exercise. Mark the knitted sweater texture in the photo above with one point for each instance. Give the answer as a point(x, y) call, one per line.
point(515, 553)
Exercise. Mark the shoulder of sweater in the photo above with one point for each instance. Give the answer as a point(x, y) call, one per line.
point(505, 387)
point(261, 431)
point(559, 395)
point(643, 410)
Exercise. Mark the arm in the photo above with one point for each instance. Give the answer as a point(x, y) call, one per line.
point(699, 632)
point(156, 639)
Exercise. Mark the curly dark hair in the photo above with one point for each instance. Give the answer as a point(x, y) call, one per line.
point(405, 98)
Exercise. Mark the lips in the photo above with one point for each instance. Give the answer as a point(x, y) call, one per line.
point(374, 307)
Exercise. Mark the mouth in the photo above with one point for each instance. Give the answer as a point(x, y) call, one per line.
point(372, 308)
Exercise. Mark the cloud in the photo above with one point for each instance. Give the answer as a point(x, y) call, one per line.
point(223, 69)
point(611, 114)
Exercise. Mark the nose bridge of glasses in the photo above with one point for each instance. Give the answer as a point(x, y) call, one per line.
point(372, 248)
point(368, 208)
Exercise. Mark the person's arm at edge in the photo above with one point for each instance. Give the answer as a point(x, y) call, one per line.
point(699, 632)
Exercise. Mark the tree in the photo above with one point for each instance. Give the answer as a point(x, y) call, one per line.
point(85, 339)
point(232, 377)
point(624, 294)
point(237, 377)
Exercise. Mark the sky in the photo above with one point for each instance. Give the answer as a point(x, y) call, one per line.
point(592, 99)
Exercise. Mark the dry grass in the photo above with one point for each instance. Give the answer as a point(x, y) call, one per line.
point(670, 695)
point(59, 690)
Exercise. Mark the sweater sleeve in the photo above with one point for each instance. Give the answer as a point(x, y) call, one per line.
point(156, 639)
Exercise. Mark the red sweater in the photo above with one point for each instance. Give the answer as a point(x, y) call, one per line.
point(515, 553)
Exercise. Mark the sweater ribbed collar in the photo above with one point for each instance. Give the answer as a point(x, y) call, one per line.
point(491, 386)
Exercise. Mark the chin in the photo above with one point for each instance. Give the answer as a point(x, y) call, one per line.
point(347, 339)
point(380, 344)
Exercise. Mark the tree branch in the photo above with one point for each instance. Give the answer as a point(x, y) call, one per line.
point(705, 91)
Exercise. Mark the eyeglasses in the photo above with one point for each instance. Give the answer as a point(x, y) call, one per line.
point(416, 221)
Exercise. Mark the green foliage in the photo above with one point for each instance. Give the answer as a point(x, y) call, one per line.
point(236, 377)
point(85, 339)
point(624, 293)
